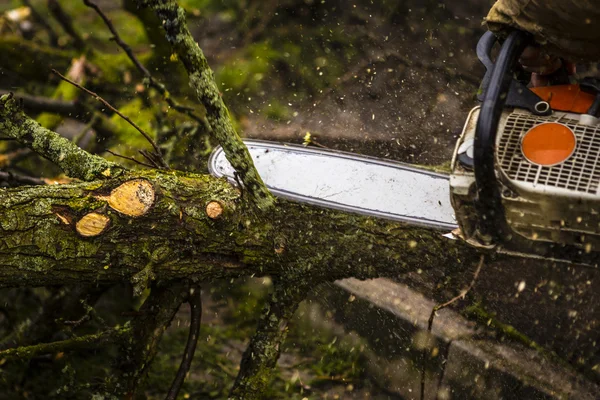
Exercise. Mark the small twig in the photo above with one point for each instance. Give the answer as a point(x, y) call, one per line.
point(66, 22)
point(438, 307)
point(79, 322)
point(40, 20)
point(82, 342)
point(116, 37)
point(90, 313)
point(130, 159)
point(317, 144)
point(195, 301)
point(150, 157)
point(107, 104)
point(462, 294)
point(152, 82)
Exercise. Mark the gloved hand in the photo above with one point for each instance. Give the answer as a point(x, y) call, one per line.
point(542, 65)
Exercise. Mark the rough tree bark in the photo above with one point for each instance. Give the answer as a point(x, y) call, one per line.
point(164, 221)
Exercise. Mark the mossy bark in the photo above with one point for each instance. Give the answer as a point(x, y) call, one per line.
point(260, 358)
point(73, 160)
point(39, 244)
point(202, 81)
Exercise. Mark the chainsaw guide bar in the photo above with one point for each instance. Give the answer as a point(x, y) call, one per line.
point(348, 182)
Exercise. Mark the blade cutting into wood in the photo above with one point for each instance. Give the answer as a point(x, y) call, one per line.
point(348, 182)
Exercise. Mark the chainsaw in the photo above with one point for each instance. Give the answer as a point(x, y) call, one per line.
point(525, 174)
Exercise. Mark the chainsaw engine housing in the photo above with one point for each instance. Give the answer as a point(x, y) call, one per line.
point(545, 206)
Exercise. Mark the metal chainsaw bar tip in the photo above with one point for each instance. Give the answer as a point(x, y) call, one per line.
point(348, 182)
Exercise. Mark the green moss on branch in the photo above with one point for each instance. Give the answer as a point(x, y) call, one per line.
point(260, 358)
point(39, 244)
point(202, 81)
point(74, 161)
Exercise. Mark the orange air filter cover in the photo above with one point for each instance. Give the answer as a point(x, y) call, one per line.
point(548, 144)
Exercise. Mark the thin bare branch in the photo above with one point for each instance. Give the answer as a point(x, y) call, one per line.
point(130, 159)
point(462, 294)
point(150, 157)
point(52, 36)
point(195, 301)
point(120, 114)
point(152, 82)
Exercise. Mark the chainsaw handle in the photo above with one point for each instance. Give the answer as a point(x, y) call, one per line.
point(484, 51)
point(489, 202)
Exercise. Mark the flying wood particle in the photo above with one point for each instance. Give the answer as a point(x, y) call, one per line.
point(92, 224)
point(214, 210)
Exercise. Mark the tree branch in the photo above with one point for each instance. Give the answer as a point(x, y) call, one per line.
point(66, 22)
point(262, 353)
point(13, 179)
point(74, 161)
point(45, 104)
point(202, 81)
point(52, 36)
point(155, 316)
point(120, 114)
point(92, 233)
point(86, 342)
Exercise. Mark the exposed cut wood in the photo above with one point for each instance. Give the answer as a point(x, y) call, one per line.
point(92, 224)
point(133, 198)
point(214, 210)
